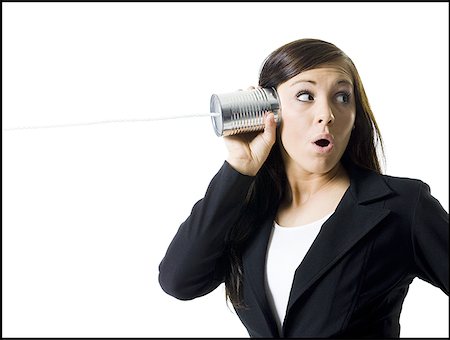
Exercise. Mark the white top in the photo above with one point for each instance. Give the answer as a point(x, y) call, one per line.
point(286, 250)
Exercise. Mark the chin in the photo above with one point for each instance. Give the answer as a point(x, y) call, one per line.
point(311, 163)
point(320, 167)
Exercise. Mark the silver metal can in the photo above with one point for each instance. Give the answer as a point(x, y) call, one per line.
point(243, 111)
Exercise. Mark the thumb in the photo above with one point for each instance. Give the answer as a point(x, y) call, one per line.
point(269, 129)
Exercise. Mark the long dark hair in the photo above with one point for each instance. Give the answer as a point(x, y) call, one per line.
point(270, 184)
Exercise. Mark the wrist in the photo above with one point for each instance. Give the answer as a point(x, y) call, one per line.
point(242, 166)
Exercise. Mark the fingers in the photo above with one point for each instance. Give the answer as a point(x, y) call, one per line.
point(270, 127)
point(248, 88)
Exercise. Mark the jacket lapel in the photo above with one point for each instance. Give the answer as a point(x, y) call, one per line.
point(359, 211)
point(254, 262)
point(354, 217)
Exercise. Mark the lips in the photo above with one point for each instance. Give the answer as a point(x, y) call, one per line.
point(323, 142)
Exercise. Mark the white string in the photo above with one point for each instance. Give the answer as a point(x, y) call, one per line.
point(97, 122)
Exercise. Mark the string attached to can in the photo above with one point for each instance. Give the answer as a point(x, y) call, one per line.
point(231, 113)
point(110, 121)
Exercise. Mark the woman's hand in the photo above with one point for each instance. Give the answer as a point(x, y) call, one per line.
point(247, 152)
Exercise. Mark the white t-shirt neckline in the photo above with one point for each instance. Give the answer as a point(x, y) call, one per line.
point(286, 249)
point(319, 221)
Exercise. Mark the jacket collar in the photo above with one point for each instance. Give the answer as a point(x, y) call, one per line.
point(366, 185)
point(359, 210)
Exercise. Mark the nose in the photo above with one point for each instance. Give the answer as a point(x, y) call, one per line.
point(325, 114)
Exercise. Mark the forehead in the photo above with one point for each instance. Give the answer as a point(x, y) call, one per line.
point(322, 75)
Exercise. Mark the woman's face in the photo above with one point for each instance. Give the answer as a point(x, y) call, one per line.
point(318, 114)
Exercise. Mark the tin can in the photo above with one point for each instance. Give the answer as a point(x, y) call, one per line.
point(243, 111)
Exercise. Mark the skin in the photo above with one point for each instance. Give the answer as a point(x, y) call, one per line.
point(313, 103)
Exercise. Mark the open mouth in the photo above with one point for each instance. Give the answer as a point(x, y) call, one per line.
point(322, 142)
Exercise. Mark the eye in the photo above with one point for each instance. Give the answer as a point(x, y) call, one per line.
point(305, 96)
point(343, 97)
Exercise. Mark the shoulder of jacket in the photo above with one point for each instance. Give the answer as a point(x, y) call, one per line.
point(369, 185)
point(405, 183)
point(409, 189)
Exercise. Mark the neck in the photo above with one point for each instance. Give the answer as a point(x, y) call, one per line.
point(304, 185)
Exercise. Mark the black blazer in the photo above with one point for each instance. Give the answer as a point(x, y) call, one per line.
point(352, 282)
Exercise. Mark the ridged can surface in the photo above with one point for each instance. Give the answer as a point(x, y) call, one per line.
point(243, 111)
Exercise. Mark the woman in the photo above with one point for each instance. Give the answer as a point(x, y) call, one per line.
point(309, 237)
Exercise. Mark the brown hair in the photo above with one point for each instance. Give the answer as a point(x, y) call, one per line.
point(269, 186)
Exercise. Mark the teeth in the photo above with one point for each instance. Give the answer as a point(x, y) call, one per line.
point(322, 142)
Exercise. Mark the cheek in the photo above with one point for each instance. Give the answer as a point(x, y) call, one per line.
point(295, 119)
point(344, 128)
point(293, 134)
point(345, 121)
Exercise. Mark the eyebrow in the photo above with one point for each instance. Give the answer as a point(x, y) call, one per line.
point(339, 82)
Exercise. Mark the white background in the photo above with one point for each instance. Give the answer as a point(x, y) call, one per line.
point(88, 211)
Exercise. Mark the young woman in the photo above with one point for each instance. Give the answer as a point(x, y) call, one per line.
point(309, 237)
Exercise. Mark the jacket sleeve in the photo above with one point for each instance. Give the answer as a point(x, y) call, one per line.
point(192, 266)
point(430, 237)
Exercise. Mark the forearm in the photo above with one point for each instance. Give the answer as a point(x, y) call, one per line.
point(191, 266)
